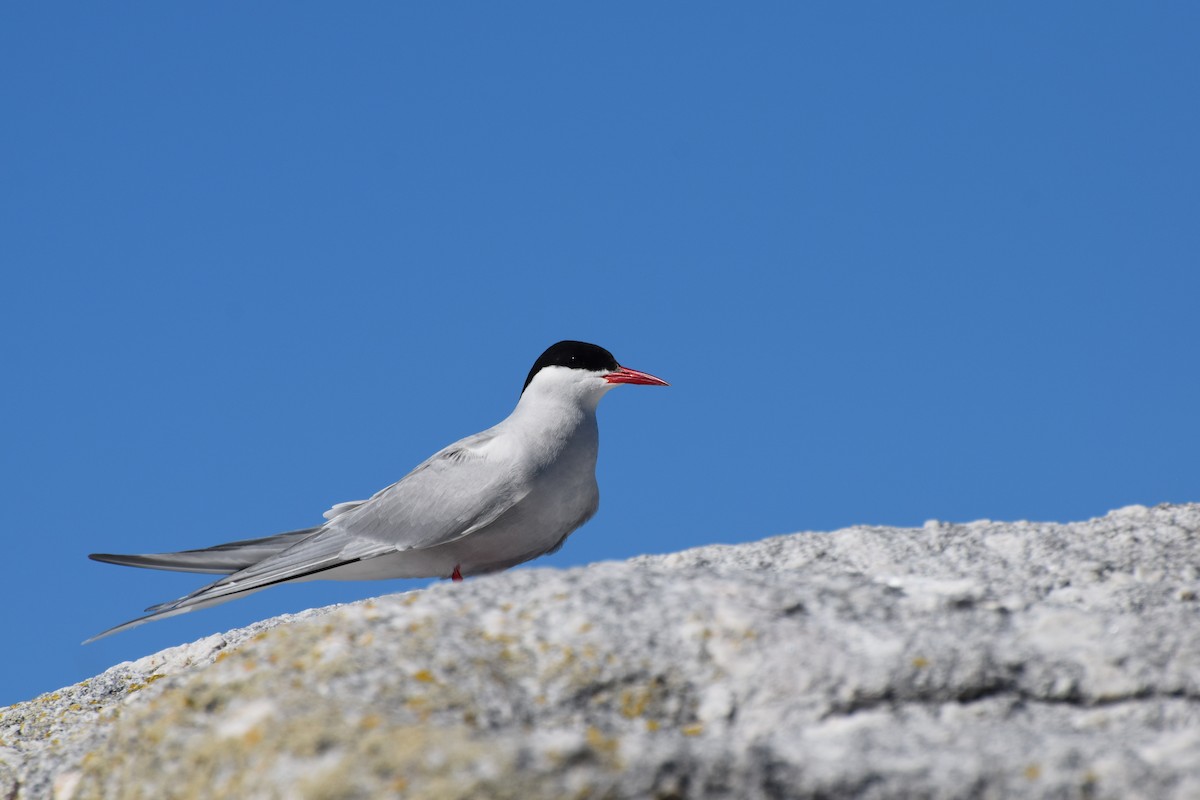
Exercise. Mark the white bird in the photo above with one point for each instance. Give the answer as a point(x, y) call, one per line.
point(485, 503)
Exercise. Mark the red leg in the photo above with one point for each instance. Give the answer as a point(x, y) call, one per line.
point(456, 576)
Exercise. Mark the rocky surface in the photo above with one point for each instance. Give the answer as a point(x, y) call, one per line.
point(980, 660)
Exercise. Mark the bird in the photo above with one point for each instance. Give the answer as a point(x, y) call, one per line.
point(488, 502)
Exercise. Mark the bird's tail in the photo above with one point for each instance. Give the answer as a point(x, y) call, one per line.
point(222, 559)
point(251, 565)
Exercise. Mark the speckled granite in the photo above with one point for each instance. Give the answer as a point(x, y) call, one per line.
point(983, 660)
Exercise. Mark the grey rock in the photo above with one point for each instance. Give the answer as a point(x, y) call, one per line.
point(979, 660)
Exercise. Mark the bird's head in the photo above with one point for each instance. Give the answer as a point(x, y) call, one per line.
point(581, 371)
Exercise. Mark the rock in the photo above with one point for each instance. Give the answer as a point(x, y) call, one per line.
point(986, 660)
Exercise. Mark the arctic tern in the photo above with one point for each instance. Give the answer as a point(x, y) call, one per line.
point(485, 503)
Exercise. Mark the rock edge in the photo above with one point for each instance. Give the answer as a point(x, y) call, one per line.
point(985, 659)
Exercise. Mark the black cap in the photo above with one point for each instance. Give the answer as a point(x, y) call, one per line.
point(576, 355)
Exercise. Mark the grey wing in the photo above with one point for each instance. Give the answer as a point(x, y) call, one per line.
point(312, 556)
point(452, 494)
point(319, 553)
point(221, 559)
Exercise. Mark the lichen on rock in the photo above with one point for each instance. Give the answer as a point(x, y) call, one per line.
point(999, 659)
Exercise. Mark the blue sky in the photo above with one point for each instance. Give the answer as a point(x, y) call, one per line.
point(899, 262)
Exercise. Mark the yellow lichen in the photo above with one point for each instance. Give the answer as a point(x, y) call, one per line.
point(694, 729)
point(604, 745)
point(633, 704)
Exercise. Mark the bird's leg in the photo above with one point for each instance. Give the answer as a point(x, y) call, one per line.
point(456, 576)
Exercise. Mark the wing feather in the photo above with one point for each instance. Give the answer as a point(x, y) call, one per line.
point(454, 493)
point(221, 559)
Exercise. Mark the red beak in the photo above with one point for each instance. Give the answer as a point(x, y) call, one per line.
point(626, 375)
